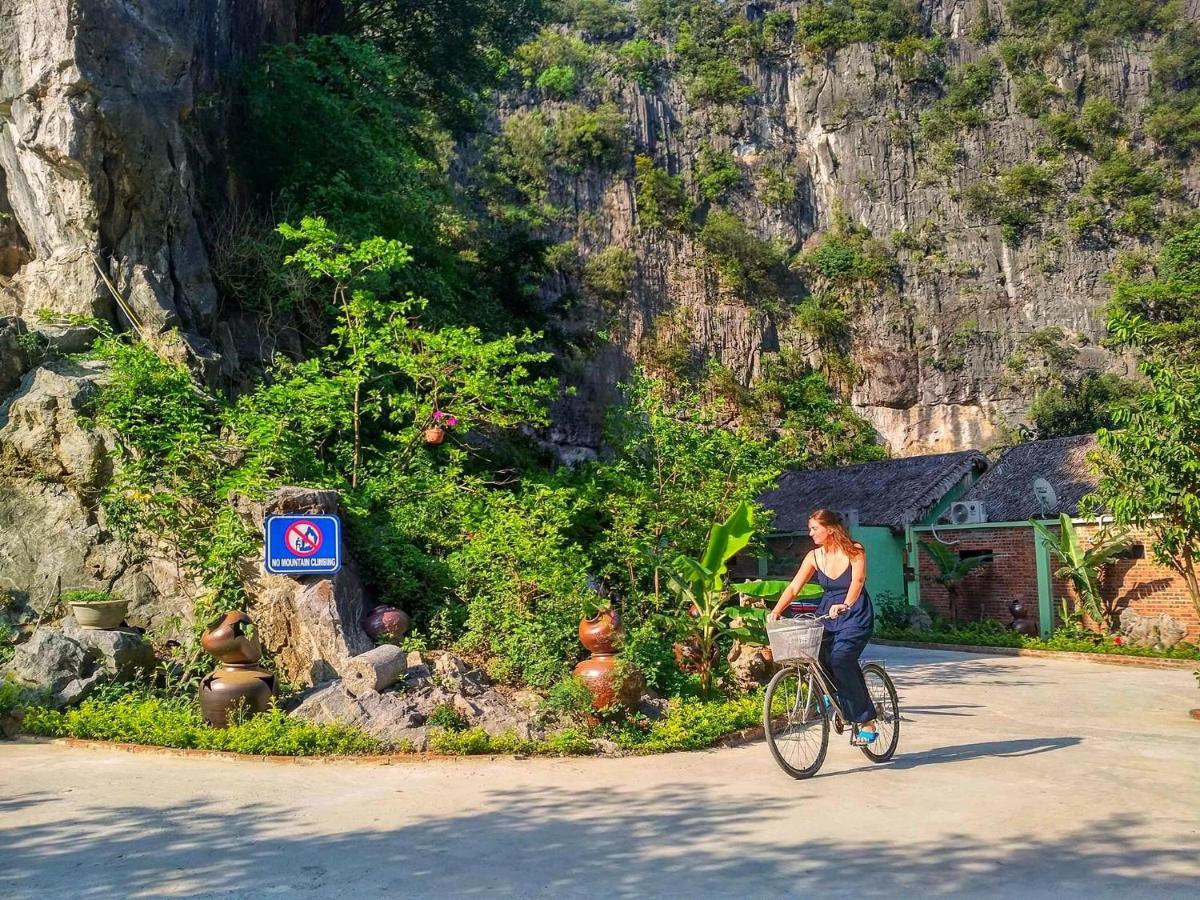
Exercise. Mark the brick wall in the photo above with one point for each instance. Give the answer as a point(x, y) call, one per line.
point(1139, 584)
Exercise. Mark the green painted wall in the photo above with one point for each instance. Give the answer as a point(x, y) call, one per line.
point(885, 559)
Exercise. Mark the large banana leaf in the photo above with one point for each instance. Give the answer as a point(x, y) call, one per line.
point(727, 538)
point(770, 590)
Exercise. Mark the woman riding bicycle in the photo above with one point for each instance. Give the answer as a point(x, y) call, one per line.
point(848, 606)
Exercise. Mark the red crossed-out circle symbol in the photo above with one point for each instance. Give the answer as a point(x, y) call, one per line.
point(303, 538)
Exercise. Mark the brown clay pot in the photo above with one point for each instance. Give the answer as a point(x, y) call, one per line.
point(435, 435)
point(598, 674)
point(603, 633)
point(227, 641)
point(387, 623)
point(232, 686)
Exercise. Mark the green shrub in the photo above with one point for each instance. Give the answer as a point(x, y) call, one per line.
point(891, 611)
point(640, 59)
point(609, 274)
point(446, 716)
point(140, 718)
point(11, 695)
point(476, 741)
point(1173, 115)
point(718, 81)
point(558, 81)
point(824, 25)
point(598, 19)
point(661, 198)
point(569, 697)
point(717, 173)
point(690, 724)
point(1016, 199)
point(745, 262)
point(1034, 91)
point(585, 137)
point(553, 49)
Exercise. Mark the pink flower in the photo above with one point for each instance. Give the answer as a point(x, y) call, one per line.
point(452, 421)
point(438, 415)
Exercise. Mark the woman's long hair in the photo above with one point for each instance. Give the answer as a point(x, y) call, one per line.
point(841, 536)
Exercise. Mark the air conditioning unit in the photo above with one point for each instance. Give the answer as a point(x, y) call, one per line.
point(849, 517)
point(967, 512)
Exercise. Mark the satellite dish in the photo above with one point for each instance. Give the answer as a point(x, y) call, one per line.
point(1044, 492)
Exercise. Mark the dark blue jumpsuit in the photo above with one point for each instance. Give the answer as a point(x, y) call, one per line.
point(845, 639)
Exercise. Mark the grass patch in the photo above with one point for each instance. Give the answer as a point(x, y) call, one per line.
point(163, 722)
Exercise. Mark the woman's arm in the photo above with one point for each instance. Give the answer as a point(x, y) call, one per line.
point(858, 577)
point(789, 593)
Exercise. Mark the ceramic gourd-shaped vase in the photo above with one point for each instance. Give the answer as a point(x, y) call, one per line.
point(238, 683)
point(603, 635)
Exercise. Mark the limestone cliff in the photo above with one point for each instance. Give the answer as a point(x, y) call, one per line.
point(936, 348)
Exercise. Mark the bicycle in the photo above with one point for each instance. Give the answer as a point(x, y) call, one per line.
point(800, 702)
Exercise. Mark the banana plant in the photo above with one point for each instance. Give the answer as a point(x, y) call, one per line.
point(753, 628)
point(705, 614)
point(952, 570)
point(1082, 568)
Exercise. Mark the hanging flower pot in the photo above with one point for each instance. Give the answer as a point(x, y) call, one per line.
point(435, 434)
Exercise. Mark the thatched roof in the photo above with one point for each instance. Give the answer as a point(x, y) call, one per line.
point(1007, 489)
point(892, 493)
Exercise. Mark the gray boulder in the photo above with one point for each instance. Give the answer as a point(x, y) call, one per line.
point(68, 662)
point(400, 713)
point(918, 619)
point(1151, 631)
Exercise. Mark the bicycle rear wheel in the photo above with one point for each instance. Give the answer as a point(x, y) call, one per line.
point(887, 713)
point(796, 728)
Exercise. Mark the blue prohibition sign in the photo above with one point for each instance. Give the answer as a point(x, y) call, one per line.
point(303, 545)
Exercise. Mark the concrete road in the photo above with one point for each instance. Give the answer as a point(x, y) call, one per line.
point(1015, 777)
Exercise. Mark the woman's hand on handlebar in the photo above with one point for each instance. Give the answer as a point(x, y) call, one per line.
point(837, 609)
point(772, 616)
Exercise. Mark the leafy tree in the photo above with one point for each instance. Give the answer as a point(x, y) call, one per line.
point(451, 47)
point(745, 262)
point(661, 199)
point(1149, 464)
point(673, 471)
point(1079, 406)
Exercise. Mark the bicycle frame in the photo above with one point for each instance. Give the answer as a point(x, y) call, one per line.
point(825, 682)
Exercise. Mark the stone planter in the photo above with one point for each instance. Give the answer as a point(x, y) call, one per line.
point(104, 616)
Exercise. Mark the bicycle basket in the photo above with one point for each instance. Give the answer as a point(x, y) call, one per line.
point(795, 639)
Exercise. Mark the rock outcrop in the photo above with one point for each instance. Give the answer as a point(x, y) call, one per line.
point(841, 132)
point(104, 155)
point(53, 536)
point(311, 625)
point(434, 681)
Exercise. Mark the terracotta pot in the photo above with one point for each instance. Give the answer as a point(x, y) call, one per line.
point(227, 641)
point(387, 623)
point(103, 616)
point(233, 686)
point(598, 674)
point(603, 632)
point(435, 435)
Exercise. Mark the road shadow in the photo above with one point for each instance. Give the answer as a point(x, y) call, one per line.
point(961, 752)
point(562, 841)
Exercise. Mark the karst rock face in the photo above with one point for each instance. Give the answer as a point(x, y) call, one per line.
point(111, 130)
point(936, 346)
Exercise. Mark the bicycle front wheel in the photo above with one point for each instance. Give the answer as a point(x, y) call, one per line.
point(887, 713)
point(796, 727)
